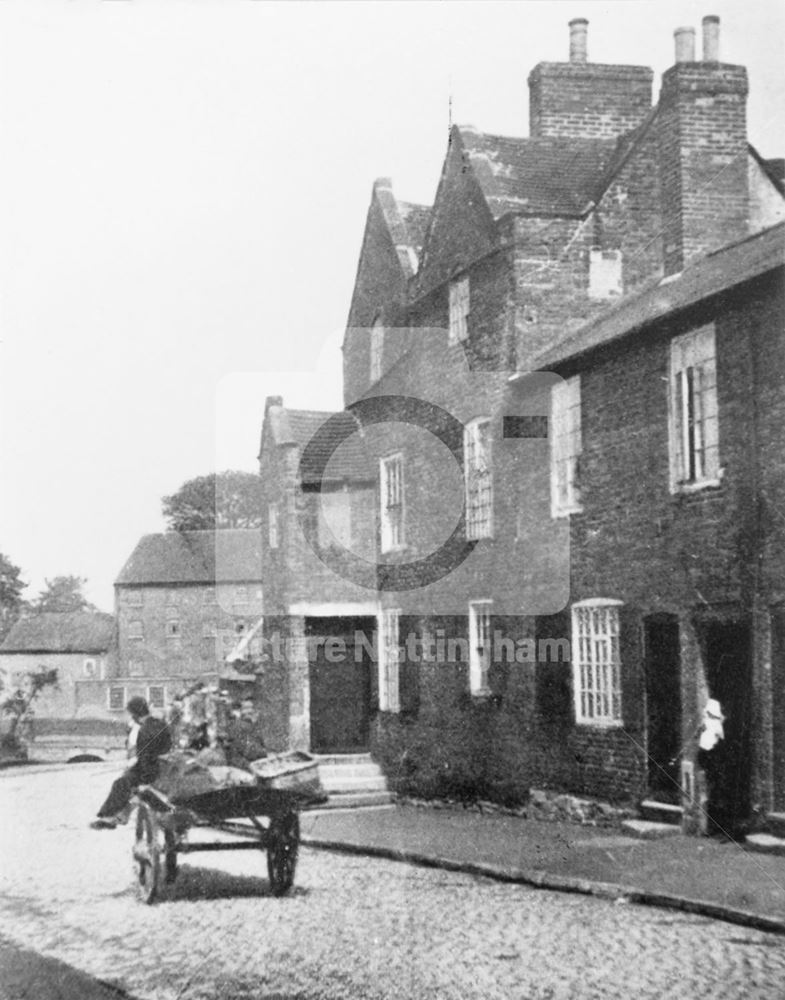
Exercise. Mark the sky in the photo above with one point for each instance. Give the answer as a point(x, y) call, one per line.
point(183, 190)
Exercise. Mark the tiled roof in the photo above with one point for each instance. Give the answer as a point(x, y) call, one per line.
point(714, 273)
point(232, 554)
point(349, 459)
point(61, 632)
point(537, 176)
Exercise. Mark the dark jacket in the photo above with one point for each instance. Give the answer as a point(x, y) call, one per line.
point(153, 740)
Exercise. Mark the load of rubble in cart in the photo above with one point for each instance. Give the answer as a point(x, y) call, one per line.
point(257, 805)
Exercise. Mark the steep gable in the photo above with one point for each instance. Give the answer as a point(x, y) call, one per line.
point(392, 241)
point(461, 226)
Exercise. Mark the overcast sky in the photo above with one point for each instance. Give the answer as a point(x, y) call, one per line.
point(183, 189)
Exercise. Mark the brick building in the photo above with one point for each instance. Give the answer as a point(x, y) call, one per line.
point(598, 221)
point(184, 602)
point(316, 512)
point(80, 645)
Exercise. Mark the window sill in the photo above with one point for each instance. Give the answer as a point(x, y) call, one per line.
point(566, 512)
point(394, 550)
point(482, 694)
point(686, 489)
point(599, 723)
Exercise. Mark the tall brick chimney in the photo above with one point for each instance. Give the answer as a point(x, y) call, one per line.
point(589, 100)
point(703, 151)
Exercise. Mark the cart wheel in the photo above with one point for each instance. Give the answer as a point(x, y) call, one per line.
point(170, 856)
point(147, 854)
point(283, 841)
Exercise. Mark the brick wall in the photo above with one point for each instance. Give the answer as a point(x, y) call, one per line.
point(589, 100)
point(703, 159)
point(208, 619)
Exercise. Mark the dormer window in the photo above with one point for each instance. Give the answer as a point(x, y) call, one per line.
point(377, 349)
point(605, 274)
point(459, 309)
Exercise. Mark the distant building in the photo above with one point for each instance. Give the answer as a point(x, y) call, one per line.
point(184, 602)
point(80, 645)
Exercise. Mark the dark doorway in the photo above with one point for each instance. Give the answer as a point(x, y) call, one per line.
point(728, 766)
point(663, 705)
point(340, 666)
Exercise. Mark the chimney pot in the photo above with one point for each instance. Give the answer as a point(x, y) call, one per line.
point(685, 44)
point(579, 29)
point(711, 38)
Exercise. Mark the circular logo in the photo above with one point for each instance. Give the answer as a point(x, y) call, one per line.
point(313, 463)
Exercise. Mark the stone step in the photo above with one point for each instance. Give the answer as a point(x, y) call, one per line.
point(357, 800)
point(661, 812)
point(342, 758)
point(329, 772)
point(646, 829)
point(775, 823)
point(765, 843)
point(349, 783)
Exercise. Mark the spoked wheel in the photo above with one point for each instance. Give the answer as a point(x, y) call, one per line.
point(170, 857)
point(283, 841)
point(147, 854)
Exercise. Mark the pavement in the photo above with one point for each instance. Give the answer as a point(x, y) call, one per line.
point(354, 925)
point(701, 875)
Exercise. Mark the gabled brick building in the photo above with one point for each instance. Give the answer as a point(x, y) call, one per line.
point(184, 600)
point(598, 221)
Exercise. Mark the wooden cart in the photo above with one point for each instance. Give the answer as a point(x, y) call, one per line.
point(260, 817)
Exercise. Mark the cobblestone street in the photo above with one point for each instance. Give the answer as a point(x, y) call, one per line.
point(352, 927)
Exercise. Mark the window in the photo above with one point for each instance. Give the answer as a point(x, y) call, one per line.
point(208, 630)
point(565, 446)
point(334, 518)
point(116, 699)
point(595, 662)
point(136, 668)
point(134, 597)
point(272, 524)
point(208, 595)
point(477, 478)
point(479, 645)
point(156, 696)
point(377, 350)
point(459, 310)
point(389, 656)
point(240, 595)
point(173, 598)
point(693, 431)
point(605, 274)
point(90, 668)
point(136, 630)
point(391, 494)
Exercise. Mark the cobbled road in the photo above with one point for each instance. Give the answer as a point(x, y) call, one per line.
point(351, 928)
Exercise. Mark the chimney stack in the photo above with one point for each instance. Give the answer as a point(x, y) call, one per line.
point(711, 38)
point(579, 29)
point(685, 44)
point(579, 99)
point(702, 142)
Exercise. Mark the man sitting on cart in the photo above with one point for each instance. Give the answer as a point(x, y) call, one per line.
point(153, 739)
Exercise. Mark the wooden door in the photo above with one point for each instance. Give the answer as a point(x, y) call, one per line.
point(663, 705)
point(340, 683)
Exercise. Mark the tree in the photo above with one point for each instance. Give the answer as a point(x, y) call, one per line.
point(11, 601)
point(63, 593)
point(231, 499)
point(18, 711)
